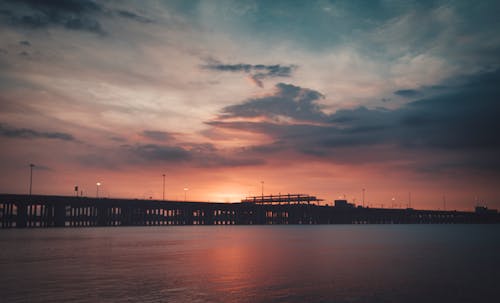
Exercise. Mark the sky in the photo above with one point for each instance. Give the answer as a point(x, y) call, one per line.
point(399, 98)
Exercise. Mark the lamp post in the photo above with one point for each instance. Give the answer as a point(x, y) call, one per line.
point(163, 187)
point(185, 193)
point(262, 188)
point(363, 197)
point(31, 176)
point(97, 189)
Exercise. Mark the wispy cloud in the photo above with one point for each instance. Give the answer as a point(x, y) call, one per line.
point(133, 16)
point(256, 72)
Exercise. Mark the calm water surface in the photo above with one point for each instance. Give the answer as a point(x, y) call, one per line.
point(346, 263)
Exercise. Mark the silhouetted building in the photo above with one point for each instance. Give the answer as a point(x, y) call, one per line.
point(485, 210)
point(343, 204)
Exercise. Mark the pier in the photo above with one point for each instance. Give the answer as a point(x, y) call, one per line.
point(25, 211)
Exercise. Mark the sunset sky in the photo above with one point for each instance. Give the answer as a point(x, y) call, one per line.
point(317, 97)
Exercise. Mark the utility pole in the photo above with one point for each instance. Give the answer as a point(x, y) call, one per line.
point(31, 176)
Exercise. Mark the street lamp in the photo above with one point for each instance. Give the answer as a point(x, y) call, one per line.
point(31, 175)
point(97, 189)
point(363, 197)
point(185, 193)
point(262, 183)
point(163, 187)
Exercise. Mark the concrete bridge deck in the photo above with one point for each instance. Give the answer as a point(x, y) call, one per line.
point(21, 211)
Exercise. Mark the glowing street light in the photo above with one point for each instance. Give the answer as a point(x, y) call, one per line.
point(97, 189)
point(185, 193)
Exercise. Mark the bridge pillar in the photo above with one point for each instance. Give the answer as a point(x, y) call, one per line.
point(21, 215)
point(59, 215)
point(102, 215)
point(126, 215)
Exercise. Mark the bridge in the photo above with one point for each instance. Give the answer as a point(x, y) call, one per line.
point(25, 211)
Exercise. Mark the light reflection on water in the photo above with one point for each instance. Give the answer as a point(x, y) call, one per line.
point(335, 263)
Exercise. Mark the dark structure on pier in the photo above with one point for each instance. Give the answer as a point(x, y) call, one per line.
point(282, 199)
point(59, 211)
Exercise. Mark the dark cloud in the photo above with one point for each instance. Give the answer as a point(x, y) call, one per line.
point(287, 101)
point(69, 6)
point(80, 15)
point(24, 43)
point(462, 121)
point(26, 133)
point(432, 90)
point(174, 153)
point(199, 155)
point(161, 153)
point(70, 14)
point(256, 72)
point(157, 135)
point(408, 93)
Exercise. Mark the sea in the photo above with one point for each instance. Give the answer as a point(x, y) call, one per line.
point(285, 263)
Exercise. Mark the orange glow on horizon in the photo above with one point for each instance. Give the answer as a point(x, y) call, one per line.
point(328, 182)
